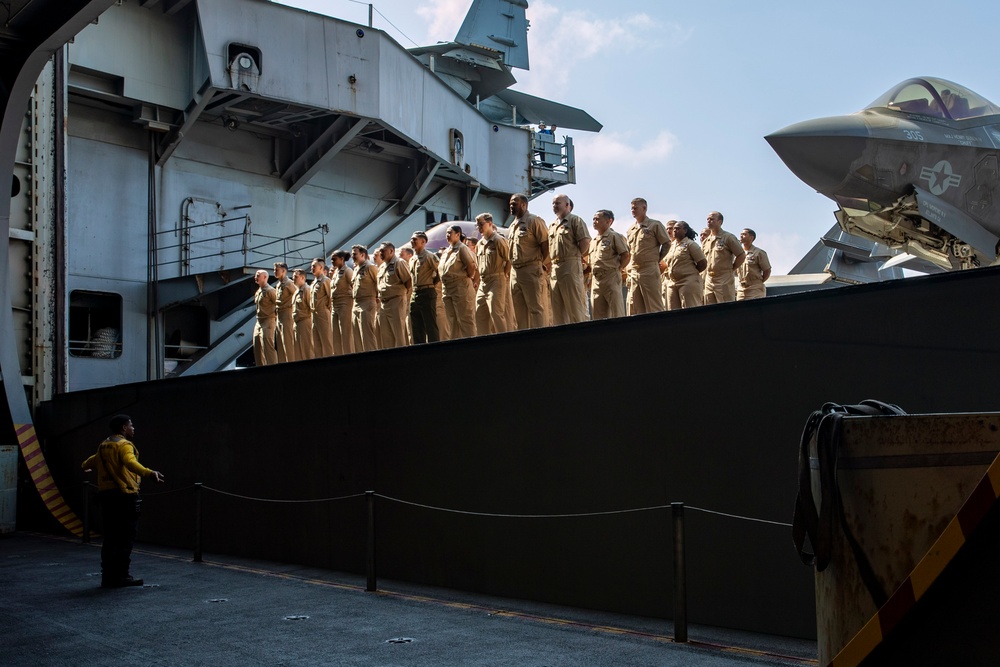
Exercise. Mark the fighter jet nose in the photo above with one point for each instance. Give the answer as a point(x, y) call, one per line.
point(822, 152)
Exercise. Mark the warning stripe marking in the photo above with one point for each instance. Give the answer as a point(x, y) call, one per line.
point(926, 572)
point(34, 459)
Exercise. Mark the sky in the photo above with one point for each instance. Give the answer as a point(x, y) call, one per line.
point(686, 91)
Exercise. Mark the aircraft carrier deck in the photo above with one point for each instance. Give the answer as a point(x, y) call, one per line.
point(231, 611)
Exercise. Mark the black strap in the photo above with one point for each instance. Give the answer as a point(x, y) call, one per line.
point(824, 426)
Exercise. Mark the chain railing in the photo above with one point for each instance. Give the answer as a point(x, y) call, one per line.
point(677, 513)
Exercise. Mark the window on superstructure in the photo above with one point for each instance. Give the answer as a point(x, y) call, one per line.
point(95, 324)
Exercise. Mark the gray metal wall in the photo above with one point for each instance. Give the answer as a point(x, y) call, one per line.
point(702, 406)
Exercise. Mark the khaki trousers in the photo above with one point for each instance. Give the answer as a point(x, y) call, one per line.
point(343, 334)
point(392, 323)
point(363, 322)
point(264, 353)
point(569, 299)
point(322, 333)
point(526, 294)
point(491, 305)
point(644, 292)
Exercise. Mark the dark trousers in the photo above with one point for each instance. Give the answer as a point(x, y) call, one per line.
point(423, 316)
point(120, 512)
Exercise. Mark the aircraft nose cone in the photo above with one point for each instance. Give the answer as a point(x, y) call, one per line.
point(821, 152)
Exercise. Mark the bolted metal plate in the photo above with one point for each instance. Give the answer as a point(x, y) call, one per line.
point(399, 640)
point(298, 617)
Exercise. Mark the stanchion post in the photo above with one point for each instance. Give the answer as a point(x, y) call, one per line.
point(372, 585)
point(197, 521)
point(680, 576)
point(85, 538)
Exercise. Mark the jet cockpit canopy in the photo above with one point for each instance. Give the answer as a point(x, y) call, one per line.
point(929, 96)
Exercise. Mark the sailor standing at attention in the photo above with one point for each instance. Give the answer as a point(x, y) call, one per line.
point(425, 298)
point(724, 254)
point(458, 273)
point(609, 256)
point(393, 286)
point(266, 300)
point(302, 317)
point(683, 266)
point(285, 341)
point(320, 304)
point(754, 271)
point(341, 280)
point(648, 244)
point(364, 289)
point(493, 261)
point(569, 244)
point(529, 256)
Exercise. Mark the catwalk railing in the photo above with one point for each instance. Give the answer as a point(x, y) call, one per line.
point(677, 514)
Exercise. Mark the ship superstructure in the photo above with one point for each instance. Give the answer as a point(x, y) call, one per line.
point(172, 148)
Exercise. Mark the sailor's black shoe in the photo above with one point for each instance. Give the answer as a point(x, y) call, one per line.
point(121, 583)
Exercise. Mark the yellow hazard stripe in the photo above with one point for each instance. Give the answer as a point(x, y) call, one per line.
point(34, 460)
point(926, 572)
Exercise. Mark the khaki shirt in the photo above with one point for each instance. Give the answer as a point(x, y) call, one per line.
point(365, 283)
point(682, 260)
point(455, 263)
point(393, 279)
point(266, 299)
point(491, 254)
point(319, 294)
point(751, 272)
point(605, 253)
point(286, 292)
point(720, 252)
point(644, 241)
point(341, 281)
point(424, 269)
point(301, 308)
point(526, 236)
point(564, 239)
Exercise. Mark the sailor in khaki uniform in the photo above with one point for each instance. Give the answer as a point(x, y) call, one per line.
point(569, 246)
point(754, 271)
point(265, 299)
point(609, 256)
point(684, 264)
point(364, 289)
point(320, 304)
point(529, 257)
point(301, 317)
point(724, 254)
point(285, 340)
point(493, 262)
point(405, 255)
point(648, 243)
point(426, 297)
point(393, 286)
point(341, 279)
point(458, 272)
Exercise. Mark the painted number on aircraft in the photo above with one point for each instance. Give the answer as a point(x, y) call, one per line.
point(913, 135)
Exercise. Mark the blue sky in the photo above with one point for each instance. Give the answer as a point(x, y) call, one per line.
point(686, 91)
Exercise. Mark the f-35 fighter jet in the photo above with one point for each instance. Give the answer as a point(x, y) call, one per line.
point(918, 171)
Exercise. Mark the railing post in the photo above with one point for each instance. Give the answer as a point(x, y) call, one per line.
point(86, 513)
point(372, 584)
point(370, 14)
point(680, 576)
point(197, 521)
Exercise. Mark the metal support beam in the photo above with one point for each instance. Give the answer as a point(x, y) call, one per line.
point(420, 184)
point(333, 140)
point(194, 108)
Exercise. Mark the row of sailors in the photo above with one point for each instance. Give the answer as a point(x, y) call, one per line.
point(536, 276)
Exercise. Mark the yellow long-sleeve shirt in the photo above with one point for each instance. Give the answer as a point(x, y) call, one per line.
point(118, 467)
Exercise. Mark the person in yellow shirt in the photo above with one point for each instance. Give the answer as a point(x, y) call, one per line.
point(118, 475)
